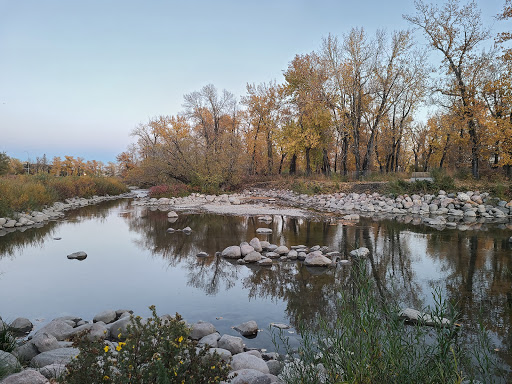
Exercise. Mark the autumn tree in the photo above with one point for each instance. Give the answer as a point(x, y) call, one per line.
point(4, 163)
point(304, 84)
point(456, 31)
point(263, 104)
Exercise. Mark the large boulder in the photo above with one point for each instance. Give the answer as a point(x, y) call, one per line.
point(232, 343)
point(201, 329)
point(247, 360)
point(53, 371)
point(249, 328)
point(45, 342)
point(232, 252)
point(253, 257)
point(107, 316)
point(250, 376)
point(61, 329)
point(25, 352)
point(55, 356)
point(317, 259)
point(8, 362)
point(245, 249)
point(224, 354)
point(119, 329)
point(28, 376)
point(282, 250)
point(21, 326)
point(256, 244)
point(95, 331)
point(210, 340)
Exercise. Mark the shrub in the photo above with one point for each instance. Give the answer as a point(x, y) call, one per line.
point(7, 339)
point(169, 190)
point(369, 343)
point(156, 350)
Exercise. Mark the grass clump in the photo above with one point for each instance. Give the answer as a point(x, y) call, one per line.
point(7, 339)
point(33, 192)
point(156, 350)
point(441, 181)
point(368, 342)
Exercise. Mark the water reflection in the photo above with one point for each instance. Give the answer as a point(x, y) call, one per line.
point(472, 268)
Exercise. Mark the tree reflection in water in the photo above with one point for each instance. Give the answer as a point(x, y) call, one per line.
point(471, 267)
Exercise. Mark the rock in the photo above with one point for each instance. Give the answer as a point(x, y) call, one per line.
point(170, 230)
point(256, 244)
point(265, 262)
point(96, 331)
point(77, 256)
point(352, 217)
point(211, 340)
point(463, 197)
point(360, 252)
point(25, 352)
point(250, 376)
point(274, 367)
point(272, 255)
point(232, 252)
point(248, 361)
point(55, 356)
point(264, 244)
point(172, 214)
point(264, 231)
point(21, 326)
point(301, 255)
point(201, 329)
point(107, 316)
point(28, 376)
point(58, 328)
point(187, 230)
point(265, 218)
point(202, 254)
point(224, 354)
point(317, 259)
point(10, 224)
point(45, 342)
point(280, 325)
point(119, 328)
point(232, 343)
point(245, 249)
point(253, 257)
point(292, 255)
point(510, 240)
point(53, 371)
point(282, 250)
point(415, 316)
point(248, 328)
point(8, 362)
point(234, 200)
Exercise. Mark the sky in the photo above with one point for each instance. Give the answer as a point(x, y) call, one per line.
point(76, 77)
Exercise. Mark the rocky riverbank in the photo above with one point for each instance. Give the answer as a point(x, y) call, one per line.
point(43, 355)
point(443, 210)
point(22, 221)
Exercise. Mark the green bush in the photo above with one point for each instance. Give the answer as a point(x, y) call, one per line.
point(369, 343)
point(155, 350)
point(7, 339)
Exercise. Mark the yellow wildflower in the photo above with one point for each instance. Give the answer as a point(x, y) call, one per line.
point(106, 348)
point(106, 377)
point(213, 366)
point(180, 339)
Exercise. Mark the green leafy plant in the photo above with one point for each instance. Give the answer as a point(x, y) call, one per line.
point(155, 350)
point(7, 339)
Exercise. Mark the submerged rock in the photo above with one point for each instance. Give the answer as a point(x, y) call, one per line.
point(232, 252)
point(264, 231)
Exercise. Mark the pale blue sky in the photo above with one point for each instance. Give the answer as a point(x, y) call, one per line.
point(77, 76)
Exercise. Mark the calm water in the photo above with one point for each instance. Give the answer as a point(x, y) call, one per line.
point(132, 263)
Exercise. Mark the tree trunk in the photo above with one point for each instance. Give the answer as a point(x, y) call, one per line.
point(281, 163)
point(326, 165)
point(270, 156)
point(308, 162)
point(293, 165)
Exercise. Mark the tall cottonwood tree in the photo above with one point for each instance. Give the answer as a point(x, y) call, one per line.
point(456, 31)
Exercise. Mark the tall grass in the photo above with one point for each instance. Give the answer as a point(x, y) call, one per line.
point(369, 343)
point(32, 192)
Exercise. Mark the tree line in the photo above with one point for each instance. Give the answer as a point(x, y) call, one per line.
point(349, 108)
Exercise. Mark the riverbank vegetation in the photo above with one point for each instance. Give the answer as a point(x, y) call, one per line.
point(156, 350)
point(349, 111)
point(20, 193)
point(368, 342)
